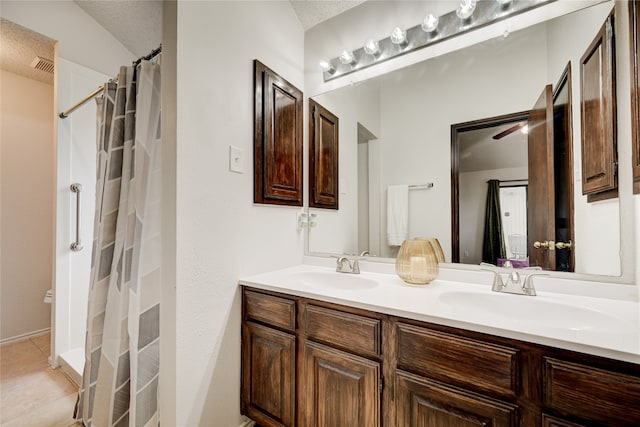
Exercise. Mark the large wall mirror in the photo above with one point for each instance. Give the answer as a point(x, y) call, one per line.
point(396, 129)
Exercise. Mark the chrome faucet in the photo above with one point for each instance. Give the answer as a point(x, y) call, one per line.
point(516, 283)
point(345, 266)
point(365, 253)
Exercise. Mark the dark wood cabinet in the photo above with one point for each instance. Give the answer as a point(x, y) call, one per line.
point(598, 110)
point(582, 391)
point(427, 403)
point(457, 360)
point(278, 143)
point(323, 157)
point(339, 389)
point(312, 363)
point(268, 375)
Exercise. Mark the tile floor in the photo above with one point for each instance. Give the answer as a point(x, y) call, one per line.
point(31, 392)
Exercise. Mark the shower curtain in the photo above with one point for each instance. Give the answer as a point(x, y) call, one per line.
point(493, 246)
point(121, 373)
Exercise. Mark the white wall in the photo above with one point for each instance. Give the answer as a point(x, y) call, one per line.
point(597, 225)
point(337, 230)
point(26, 152)
point(220, 234)
point(473, 197)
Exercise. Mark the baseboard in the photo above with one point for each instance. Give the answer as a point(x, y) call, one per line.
point(25, 336)
point(246, 422)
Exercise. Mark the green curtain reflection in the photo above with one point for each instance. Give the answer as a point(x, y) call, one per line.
point(493, 246)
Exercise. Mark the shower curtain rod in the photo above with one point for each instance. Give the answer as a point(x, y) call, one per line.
point(98, 91)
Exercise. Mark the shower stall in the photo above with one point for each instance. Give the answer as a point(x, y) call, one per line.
point(75, 202)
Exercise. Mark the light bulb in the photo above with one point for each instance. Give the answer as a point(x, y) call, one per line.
point(430, 23)
point(326, 67)
point(466, 9)
point(399, 36)
point(372, 47)
point(347, 57)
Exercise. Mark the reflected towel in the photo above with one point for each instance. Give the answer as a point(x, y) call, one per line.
point(397, 214)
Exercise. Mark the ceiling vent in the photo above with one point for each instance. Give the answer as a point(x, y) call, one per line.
point(42, 64)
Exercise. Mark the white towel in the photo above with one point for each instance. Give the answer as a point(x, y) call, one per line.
point(397, 214)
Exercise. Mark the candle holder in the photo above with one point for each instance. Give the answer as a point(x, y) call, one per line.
point(417, 262)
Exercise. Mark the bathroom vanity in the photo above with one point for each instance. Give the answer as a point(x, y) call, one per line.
point(321, 348)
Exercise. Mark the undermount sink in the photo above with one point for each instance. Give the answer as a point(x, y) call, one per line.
point(516, 308)
point(344, 281)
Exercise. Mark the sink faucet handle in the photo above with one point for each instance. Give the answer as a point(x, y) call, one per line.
point(352, 266)
point(355, 267)
point(497, 284)
point(528, 287)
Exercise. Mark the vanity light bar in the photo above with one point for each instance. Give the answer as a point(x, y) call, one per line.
point(447, 26)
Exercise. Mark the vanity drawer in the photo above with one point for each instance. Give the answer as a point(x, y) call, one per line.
point(458, 360)
point(591, 393)
point(349, 331)
point(269, 309)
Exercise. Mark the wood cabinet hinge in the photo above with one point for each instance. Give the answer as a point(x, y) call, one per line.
point(381, 383)
point(615, 168)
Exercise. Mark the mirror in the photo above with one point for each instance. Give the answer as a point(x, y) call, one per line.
point(395, 129)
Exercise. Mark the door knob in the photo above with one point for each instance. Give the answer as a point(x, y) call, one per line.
point(543, 245)
point(547, 244)
point(563, 245)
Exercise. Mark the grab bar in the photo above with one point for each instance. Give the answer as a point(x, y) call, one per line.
point(77, 245)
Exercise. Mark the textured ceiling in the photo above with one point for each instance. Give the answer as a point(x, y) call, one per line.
point(312, 12)
point(19, 46)
point(137, 24)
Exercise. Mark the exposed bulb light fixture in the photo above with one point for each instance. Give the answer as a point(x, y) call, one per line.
point(399, 37)
point(372, 47)
point(347, 57)
point(430, 23)
point(326, 67)
point(525, 129)
point(467, 16)
point(466, 9)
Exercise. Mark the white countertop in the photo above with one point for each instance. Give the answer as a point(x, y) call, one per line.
point(601, 325)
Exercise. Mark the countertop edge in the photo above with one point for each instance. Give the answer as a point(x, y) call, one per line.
point(474, 327)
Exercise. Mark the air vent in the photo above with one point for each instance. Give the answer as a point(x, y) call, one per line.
point(42, 64)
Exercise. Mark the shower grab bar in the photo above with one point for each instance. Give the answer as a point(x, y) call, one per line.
point(77, 245)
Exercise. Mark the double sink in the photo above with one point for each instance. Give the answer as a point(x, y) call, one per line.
point(599, 322)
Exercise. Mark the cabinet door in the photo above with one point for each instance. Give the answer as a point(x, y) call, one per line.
point(268, 375)
point(277, 139)
point(323, 157)
point(339, 389)
point(421, 402)
point(598, 109)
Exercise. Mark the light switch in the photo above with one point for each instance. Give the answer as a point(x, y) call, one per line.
point(236, 159)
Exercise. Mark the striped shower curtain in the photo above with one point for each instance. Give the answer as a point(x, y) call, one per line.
point(121, 373)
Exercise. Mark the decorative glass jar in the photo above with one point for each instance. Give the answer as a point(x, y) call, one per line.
point(417, 262)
